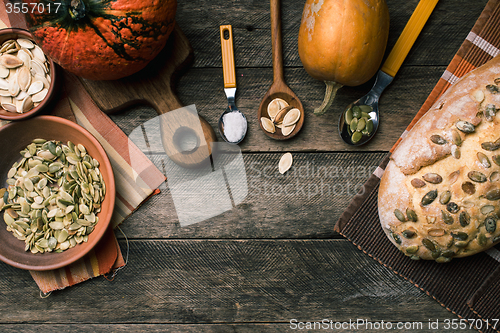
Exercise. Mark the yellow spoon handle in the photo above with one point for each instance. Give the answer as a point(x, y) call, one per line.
point(408, 36)
point(227, 56)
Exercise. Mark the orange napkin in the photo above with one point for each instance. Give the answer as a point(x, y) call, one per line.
point(134, 184)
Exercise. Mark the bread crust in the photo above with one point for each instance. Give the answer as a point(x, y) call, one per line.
point(447, 161)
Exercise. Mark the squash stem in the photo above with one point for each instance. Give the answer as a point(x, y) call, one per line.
point(77, 9)
point(330, 93)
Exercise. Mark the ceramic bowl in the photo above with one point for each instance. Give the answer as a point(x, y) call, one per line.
point(13, 33)
point(14, 137)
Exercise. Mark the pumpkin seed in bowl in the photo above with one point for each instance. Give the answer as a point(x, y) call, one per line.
point(53, 195)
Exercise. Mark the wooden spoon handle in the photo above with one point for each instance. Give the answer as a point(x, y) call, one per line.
point(408, 36)
point(276, 41)
point(228, 68)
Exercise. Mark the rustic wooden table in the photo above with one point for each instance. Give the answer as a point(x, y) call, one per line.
point(272, 263)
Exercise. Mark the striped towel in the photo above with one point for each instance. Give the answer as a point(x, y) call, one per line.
point(469, 287)
point(134, 184)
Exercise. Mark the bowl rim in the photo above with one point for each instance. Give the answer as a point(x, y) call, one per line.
point(110, 188)
point(11, 116)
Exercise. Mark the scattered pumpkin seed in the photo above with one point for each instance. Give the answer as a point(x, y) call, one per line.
point(464, 219)
point(453, 177)
point(465, 126)
point(445, 197)
point(447, 218)
point(496, 159)
point(477, 176)
point(489, 112)
point(452, 207)
point(438, 232)
point(460, 235)
point(399, 215)
point(429, 244)
point(456, 138)
point(481, 239)
point(409, 233)
point(412, 249)
point(429, 197)
point(495, 176)
point(437, 139)
point(417, 183)
point(448, 253)
point(492, 88)
point(490, 223)
point(455, 152)
point(490, 146)
point(493, 194)
point(486, 209)
point(442, 259)
point(284, 164)
point(484, 160)
point(411, 215)
point(432, 178)
point(396, 238)
point(469, 188)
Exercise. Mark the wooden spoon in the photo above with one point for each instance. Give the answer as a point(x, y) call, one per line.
point(279, 89)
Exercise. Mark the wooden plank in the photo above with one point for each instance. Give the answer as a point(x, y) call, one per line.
point(226, 281)
point(419, 326)
point(439, 41)
point(202, 85)
point(306, 202)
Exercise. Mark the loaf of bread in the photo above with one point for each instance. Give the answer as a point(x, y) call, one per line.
point(439, 195)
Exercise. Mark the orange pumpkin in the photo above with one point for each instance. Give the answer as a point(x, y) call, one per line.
point(101, 40)
point(342, 42)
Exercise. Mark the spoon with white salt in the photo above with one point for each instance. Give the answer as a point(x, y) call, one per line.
point(232, 122)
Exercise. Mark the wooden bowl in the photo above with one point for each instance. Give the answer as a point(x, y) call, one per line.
point(14, 33)
point(14, 137)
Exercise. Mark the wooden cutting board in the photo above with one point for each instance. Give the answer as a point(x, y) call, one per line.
point(153, 86)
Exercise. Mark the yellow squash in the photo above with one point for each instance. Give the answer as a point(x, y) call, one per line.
point(342, 42)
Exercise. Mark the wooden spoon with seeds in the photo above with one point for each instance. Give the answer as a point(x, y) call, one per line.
point(279, 89)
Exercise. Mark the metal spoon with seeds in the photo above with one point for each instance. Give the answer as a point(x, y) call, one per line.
point(359, 122)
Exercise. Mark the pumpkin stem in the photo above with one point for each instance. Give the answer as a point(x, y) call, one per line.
point(331, 91)
point(77, 9)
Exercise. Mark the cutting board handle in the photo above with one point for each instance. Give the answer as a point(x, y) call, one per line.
point(153, 86)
